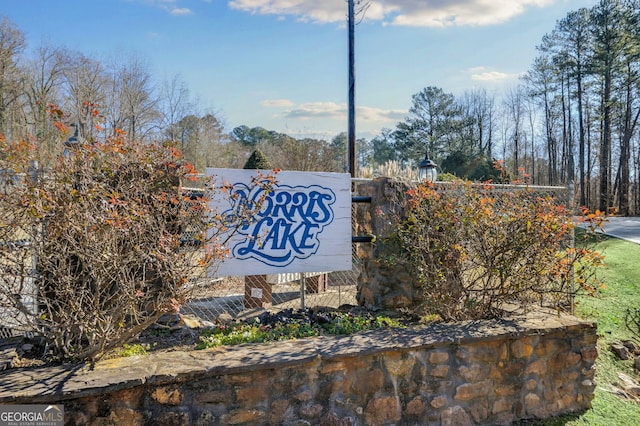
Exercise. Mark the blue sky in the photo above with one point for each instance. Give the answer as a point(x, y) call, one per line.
point(282, 64)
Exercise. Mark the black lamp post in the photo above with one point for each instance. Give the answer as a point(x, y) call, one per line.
point(73, 142)
point(427, 170)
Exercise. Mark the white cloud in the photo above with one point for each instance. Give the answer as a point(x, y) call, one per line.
point(317, 110)
point(484, 74)
point(446, 13)
point(436, 13)
point(377, 115)
point(169, 6)
point(489, 76)
point(277, 103)
point(335, 111)
point(181, 11)
point(306, 10)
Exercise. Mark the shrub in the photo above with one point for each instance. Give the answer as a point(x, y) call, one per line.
point(257, 160)
point(474, 250)
point(93, 250)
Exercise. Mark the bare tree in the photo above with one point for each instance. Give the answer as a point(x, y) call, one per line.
point(515, 110)
point(175, 104)
point(479, 107)
point(12, 44)
point(43, 76)
point(132, 105)
point(85, 87)
point(531, 111)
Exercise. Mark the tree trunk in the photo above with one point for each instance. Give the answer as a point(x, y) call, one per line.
point(605, 146)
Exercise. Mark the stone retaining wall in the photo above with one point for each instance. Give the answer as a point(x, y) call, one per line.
point(483, 372)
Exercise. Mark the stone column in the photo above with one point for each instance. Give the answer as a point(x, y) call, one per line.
point(385, 280)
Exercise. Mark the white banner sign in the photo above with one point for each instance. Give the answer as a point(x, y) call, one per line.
point(304, 224)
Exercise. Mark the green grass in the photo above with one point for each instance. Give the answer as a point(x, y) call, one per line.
point(621, 276)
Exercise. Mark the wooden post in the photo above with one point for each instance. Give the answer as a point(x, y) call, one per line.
point(317, 283)
point(257, 292)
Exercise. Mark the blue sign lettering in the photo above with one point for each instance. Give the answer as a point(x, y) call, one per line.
point(288, 224)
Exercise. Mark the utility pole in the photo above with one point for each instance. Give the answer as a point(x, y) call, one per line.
point(351, 128)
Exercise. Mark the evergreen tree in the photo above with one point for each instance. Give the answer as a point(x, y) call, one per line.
point(257, 160)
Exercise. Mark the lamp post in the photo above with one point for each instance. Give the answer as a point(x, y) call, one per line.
point(351, 125)
point(427, 170)
point(73, 142)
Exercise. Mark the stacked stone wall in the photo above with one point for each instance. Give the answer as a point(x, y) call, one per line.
point(472, 373)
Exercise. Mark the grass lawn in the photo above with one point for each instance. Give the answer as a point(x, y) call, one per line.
point(621, 277)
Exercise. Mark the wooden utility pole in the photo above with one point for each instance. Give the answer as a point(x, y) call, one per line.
point(351, 131)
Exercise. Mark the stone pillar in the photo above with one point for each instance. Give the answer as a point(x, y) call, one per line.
point(385, 280)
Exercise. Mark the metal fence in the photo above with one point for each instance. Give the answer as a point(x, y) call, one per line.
point(13, 282)
point(244, 296)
